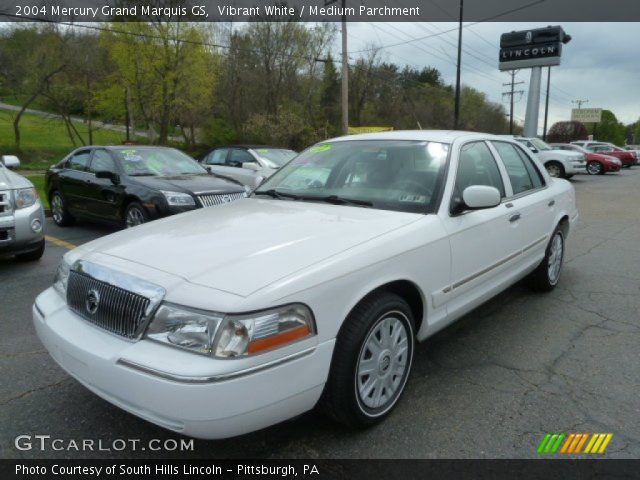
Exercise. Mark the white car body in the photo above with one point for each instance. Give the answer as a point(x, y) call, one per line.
point(572, 162)
point(264, 253)
point(255, 168)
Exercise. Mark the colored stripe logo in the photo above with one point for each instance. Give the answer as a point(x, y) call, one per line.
point(573, 443)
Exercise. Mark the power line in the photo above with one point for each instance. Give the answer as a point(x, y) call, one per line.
point(511, 94)
point(579, 103)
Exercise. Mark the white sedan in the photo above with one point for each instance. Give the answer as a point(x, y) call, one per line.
point(314, 290)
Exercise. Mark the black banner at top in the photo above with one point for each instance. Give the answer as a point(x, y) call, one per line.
point(320, 10)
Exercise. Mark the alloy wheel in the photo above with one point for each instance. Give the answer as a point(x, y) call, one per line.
point(57, 208)
point(594, 168)
point(134, 217)
point(554, 171)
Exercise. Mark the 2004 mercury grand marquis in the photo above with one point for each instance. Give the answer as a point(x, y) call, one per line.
point(313, 290)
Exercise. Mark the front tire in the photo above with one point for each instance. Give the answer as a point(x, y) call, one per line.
point(59, 212)
point(134, 215)
point(546, 276)
point(555, 169)
point(371, 361)
point(595, 168)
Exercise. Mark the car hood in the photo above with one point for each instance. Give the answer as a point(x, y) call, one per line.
point(11, 180)
point(246, 245)
point(191, 183)
point(563, 153)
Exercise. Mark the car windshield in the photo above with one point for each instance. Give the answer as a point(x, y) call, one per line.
point(157, 162)
point(540, 145)
point(396, 175)
point(275, 157)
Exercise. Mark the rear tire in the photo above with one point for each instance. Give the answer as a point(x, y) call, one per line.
point(371, 361)
point(134, 215)
point(59, 212)
point(33, 255)
point(546, 276)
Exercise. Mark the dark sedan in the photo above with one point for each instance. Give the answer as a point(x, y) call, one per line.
point(130, 185)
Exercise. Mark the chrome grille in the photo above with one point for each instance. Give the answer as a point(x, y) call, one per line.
point(5, 202)
point(118, 311)
point(214, 199)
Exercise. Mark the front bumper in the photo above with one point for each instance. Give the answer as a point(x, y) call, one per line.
point(574, 167)
point(142, 377)
point(16, 232)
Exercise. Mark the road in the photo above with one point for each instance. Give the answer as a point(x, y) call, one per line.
point(490, 386)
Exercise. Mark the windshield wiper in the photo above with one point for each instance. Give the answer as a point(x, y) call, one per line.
point(278, 194)
point(340, 200)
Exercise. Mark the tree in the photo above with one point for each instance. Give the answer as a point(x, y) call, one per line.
point(566, 132)
point(330, 96)
point(610, 129)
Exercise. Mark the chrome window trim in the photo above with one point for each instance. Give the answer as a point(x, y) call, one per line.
point(212, 378)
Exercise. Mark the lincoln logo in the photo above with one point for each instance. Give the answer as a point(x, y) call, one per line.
point(92, 302)
point(529, 37)
point(226, 199)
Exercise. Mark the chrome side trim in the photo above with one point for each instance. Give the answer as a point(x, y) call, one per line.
point(534, 244)
point(213, 378)
point(38, 310)
point(485, 270)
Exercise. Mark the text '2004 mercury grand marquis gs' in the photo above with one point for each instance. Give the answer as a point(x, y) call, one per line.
point(312, 291)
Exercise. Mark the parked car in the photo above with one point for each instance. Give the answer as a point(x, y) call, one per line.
point(21, 214)
point(559, 163)
point(625, 156)
point(128, 186)
point(248, 164)
point(597, 163)
point(313, 290)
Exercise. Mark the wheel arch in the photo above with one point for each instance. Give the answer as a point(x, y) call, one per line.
point(408, 291)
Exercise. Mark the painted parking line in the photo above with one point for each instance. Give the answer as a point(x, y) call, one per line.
point(59, 242)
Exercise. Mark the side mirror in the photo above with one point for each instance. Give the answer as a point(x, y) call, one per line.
point(114, 177)
point(251, 166)
point(477, 197)
point(533, 149)
point(10, 161)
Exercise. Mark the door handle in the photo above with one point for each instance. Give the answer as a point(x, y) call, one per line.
point(551, 203)
point(515, 217)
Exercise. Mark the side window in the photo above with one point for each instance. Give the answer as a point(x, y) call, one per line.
point(522, 173)
point(102, 162)
point(240, 156)
point(217, 157)
point(80, 160)
point(476, 166)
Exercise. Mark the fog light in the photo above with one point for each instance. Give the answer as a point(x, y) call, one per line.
point(36, 226)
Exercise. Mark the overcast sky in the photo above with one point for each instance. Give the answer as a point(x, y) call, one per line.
point(600, 64)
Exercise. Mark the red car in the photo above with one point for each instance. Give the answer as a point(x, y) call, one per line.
point(627, 157)
point(597, 163)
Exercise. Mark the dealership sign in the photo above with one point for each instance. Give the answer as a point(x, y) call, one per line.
point(541, 47)
point(586, 115)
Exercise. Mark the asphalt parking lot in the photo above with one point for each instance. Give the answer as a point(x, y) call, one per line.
point(489, 386)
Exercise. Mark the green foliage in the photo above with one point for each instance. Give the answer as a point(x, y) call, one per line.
point(566, 132)
point(219, 132)
point(610, 129)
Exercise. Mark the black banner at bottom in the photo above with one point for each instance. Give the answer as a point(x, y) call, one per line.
point(320, 469)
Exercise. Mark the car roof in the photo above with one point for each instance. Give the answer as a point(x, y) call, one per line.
point(441, 136)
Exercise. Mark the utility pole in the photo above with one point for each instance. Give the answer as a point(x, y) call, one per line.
point(511, 93)
point(546, 105)
point(579, 103)
point(456, 111)
point(345, 72)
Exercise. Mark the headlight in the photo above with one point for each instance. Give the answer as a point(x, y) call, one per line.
point(25, 197)
point(227, 336)
point(62, 277)
point(178, 199)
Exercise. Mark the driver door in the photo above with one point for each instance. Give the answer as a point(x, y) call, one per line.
point(484, 243)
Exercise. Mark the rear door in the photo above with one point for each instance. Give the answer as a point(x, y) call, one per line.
point(484, 243)
point(529, 198)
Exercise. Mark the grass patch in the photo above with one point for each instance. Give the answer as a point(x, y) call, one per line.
point(45, 140)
